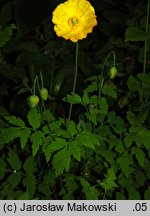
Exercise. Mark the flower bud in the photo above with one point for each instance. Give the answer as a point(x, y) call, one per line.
point(44, 93)
point(33, 101)
point(112, 72)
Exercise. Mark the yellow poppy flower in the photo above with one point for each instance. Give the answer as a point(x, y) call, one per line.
point(74, 19)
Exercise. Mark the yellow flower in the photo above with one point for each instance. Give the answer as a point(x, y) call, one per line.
point(74, 19)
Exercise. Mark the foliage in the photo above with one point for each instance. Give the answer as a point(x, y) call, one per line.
point(103, 151)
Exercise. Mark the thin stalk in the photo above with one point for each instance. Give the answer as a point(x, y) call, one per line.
point(102, 72)
point(75, 76)
point(41, 76)
point(34, 85)
point(52, 75)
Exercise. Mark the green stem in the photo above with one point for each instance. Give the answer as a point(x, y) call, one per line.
point(34, 85)
point(52, 75)
point(75, 76)
point(102, 72)
point(145, 50)
point(41, 76)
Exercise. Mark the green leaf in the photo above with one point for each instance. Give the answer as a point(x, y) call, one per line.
point(24, 196)
point(71, 128)
point(140, 156)
point(15, 121)
point(117, 123)
point(37, 140)
point(34, 118)
point(91, 193)
point(92, 88)
point(109, 182)
point(61, 161)
point(134, 194)
point(30, 166)
point(75, 150)
point(13, 160)
point(129, 138)
point(57, 144)
point(147, 194)
point(120, 196)
point(103, 105)
point(133, 84)
point(136, 120)
point(144, 77)
point(24, 135)
point(14, 179)
point(71, 186)
point(73, 99)
point(88, 139)
point(142, 138)
point(92, 115)
point(124, 163)
point(2, 168)
point(30, 183)
point(136, 34)
point(45, 189)
point(8, 134)
point(85, 98)
point(110, 90)
point(5, 35)
point(46, 148)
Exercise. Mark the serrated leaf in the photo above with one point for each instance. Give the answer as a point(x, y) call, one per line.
point(142, 138)
point(109, 89)
point(109, 182)
point(15, 121)
point(34, 118)
point(136, 34)
point(45, 189)
point(92, 87)
point(14, 179)
point(85, 98)
point(30, 184)
point(140, 156)
point(37, 140)
point(30, 165)
point(5, 35)
point(103, 105)
point(124, 163)
point(128, 140)
point(73, 99)
point(136, 120)
point(24, 135)
point(8, 134)
point(58, 144)
point(87, 139)
point(75, 150)
point(13, 160)
point(46, 147)
point(61, 161)
point(85, 183)
point(56, 124)
point(71, 128)
point(92, 194)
